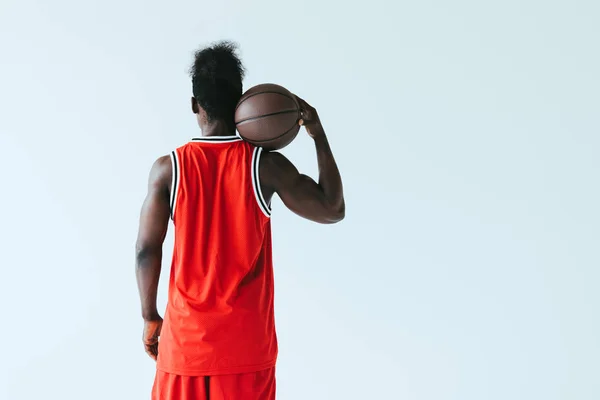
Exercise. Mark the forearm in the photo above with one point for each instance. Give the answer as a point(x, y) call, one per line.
point(147, 271)
point(330, 180)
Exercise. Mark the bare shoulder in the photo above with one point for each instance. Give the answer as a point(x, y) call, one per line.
point(161, 172)
point(274, 165)
point(272, 159)
point(274, 171)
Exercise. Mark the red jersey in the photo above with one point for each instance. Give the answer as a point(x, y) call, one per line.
point(220, 315)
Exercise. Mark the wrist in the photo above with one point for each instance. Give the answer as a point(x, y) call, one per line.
point(316, 131)
point(151, 315)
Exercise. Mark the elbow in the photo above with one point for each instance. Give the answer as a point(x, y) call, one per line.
point(143, 252)
point(336, 214)
point(340, 213)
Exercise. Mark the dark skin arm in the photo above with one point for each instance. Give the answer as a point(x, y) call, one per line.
point(154, 220)
point(321, 202)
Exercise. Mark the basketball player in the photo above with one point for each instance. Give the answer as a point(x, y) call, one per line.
point(218, 338)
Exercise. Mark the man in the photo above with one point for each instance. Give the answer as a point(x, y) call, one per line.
point(218, 339)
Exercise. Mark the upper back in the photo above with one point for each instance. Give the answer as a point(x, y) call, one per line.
point(216, 200)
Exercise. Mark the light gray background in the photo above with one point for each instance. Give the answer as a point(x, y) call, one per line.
point(467, 133)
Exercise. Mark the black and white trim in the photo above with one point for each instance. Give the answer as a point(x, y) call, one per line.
point(217, 139)
point(175, 180)
point(264, 206)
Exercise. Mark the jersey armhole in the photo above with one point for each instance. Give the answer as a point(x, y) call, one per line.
point(175, 180)
point(255, 172)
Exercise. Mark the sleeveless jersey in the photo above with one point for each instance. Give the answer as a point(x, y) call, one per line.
point(220, 315)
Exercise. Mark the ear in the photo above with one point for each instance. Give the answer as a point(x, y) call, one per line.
point(195, 106)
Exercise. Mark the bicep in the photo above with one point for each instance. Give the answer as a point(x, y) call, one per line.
point(299, 192)
point(154, 216)
point(304, 197)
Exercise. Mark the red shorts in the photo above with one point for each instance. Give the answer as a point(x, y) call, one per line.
point(258, 385)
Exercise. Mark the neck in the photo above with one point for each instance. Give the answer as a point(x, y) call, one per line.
point(218, 128)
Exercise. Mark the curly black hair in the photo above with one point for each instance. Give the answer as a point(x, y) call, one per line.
point(217, 75)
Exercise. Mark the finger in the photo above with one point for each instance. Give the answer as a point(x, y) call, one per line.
point(150, 352)
point(298, 99)
point(307, 112)
point(303, 104)
point(304, 121)
point(306, 116)
point(307, 106)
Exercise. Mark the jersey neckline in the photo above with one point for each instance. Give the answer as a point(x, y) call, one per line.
point(217, 139)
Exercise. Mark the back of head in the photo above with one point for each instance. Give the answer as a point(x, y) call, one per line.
point(217, 75)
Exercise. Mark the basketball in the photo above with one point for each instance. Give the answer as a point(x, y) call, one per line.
point(267, 116)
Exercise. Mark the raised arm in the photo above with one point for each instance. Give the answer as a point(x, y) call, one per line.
point(154, 220)
point(321, 202)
